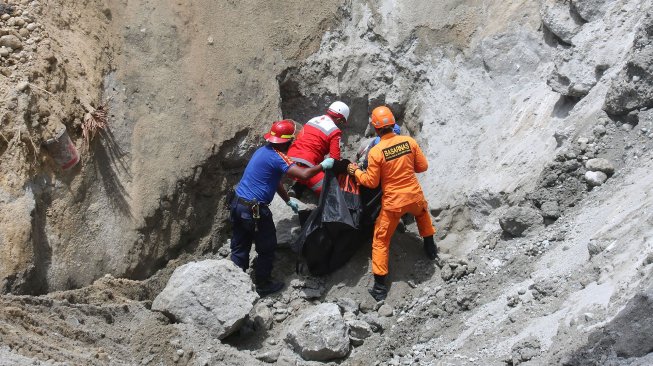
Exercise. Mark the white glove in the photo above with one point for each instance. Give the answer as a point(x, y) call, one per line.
point(293, 204)
point(327, 163)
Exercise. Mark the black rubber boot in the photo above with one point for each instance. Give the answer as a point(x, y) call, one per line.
point(379, 291)
point(430, 248)
point(268, 286)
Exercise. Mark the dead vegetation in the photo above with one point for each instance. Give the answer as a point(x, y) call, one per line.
point(94, 122)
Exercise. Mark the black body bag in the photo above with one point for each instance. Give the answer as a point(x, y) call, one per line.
point(342, 221)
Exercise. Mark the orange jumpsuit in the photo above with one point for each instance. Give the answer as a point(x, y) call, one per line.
point(393, 162)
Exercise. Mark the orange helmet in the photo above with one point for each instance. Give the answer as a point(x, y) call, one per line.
point(281, 131)
point(382, 117)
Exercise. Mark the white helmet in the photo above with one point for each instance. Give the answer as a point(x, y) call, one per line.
point(340, 108)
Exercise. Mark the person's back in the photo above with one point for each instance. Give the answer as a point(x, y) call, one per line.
point(393, 163)
point(399, 158)
point(319, 137)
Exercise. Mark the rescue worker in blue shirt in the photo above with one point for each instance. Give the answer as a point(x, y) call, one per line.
point(251, 217)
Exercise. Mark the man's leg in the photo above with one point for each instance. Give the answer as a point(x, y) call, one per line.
point(266, 245)
point(385, 226)
point(242, 225)
point(425, 227)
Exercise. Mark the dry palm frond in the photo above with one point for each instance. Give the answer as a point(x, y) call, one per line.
point(95, 121)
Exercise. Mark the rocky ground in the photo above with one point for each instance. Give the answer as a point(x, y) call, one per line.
point(535, 117)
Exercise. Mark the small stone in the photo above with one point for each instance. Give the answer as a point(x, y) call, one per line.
point(386, 310)
point(11, 41)
point(348, 305)
point(599, 131)
point(269, 356)
point(4, 51)
point(210, 40)
point(626, 127)
point(635, 78)
point(180, 352)
point(31, 27)
point(359, 329)
point(5, 17)
point(595, 179)
point(601, 165)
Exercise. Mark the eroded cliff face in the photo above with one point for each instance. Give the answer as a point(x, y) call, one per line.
point(190, 88)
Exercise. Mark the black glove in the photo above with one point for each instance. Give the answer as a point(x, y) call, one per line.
point(340, 166)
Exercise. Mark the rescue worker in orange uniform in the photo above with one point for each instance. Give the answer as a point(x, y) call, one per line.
point(393, 163)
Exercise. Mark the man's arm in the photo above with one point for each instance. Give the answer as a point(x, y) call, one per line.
point(334, 145)
point(281, 191)
point(370, 178)
point(303, 173)
point(421, 164)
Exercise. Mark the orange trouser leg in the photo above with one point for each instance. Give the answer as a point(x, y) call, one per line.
point(423, 218)
point(384, 227)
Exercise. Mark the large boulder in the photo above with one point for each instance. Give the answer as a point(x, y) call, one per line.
point(560, 19)
point(590, 10)
point(517, 220)
point(632, 88)
point(319, 333)
point(213, 294)
point(628, 335)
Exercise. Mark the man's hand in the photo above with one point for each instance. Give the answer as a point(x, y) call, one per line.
point(351, 168)
point(293, 204)
point(327, 163)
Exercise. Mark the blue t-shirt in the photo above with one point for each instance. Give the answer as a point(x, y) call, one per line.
point(263, 174)
point(395, 129)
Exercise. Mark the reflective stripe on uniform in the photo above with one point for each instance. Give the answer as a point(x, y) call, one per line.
point(303, 161)
point(324, 124)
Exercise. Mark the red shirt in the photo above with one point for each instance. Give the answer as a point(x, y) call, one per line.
point(320, 136)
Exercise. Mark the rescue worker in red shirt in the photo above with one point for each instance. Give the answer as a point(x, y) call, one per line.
point(319, 137)
point(393, 163)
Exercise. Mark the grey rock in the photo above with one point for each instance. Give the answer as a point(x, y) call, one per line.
point(213, 294)
point(262, 316)
point(550, 209)
point(348, 305)
point(517, 220)
point(270, 356)
point(525, 350)
point(595, 247)
point(600, 165)
point(599, 131)
point(374, 321)
point(558, 17)
point(368, 304)
point(319, 333)
point(359, 329)
point(628, 335)
point(11, 41)
point(627, 92)
point(356, 342)
point(595, 179)
point(446, 273)
point(589, 9)
point(386, 310)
